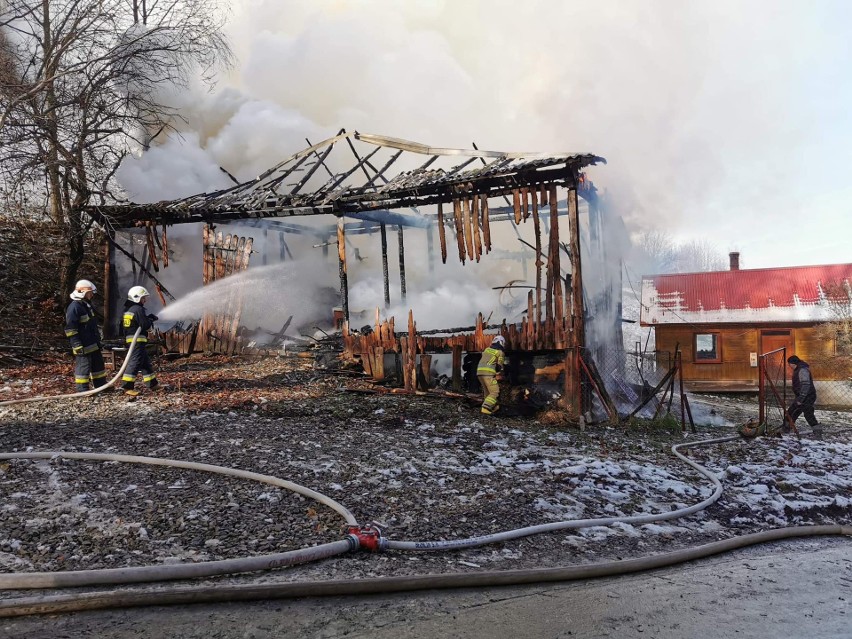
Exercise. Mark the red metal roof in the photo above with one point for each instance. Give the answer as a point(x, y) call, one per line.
point(717, 293)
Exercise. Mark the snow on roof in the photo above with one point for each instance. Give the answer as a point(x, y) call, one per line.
point(789, 294)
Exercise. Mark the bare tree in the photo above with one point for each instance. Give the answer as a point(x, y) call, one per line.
point(82, 82)
point(698, 256)
point(659, 253)
point(837, 296)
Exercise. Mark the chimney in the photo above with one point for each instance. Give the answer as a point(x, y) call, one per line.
point(735, 260)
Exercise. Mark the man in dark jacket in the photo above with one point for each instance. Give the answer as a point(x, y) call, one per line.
point(135, 317)
point(81, 328)
point(805, 394)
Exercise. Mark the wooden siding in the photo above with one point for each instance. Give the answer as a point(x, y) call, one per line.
point(735, 372)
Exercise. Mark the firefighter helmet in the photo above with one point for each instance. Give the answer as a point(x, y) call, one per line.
point(81, 288)
point(136, 293)
point(85, 285)
point(499, 340)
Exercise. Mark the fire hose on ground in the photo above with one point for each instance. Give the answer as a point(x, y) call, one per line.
point(366, 537)
point(93, 391)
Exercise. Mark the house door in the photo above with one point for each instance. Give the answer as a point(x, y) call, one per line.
point(775, 339)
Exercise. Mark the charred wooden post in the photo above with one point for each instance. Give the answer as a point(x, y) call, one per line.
point(530, 332)
point(577, 341)
point(525, 203)
point(341, 258)
point(401, 262)
point(412, 352)
point(477, 238)
point(516, 205)
point(468, 229)
point(109, 282)
point(152, 252)
point(486, 224)
point(385, 276)
point(234, 260)
point(403, 356)
point(558, 314)
point(379, 365)
point(442, 232)
point(236, 342)
point(457, 217)
point(538, 265)
point(222, 255)
point(165, 247)
point(457, 367)
point(425, 376)
point(552, 258)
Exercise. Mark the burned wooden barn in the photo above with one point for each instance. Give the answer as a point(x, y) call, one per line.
point(457, 198)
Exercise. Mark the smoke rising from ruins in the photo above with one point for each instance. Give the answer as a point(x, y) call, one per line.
point(697, 107)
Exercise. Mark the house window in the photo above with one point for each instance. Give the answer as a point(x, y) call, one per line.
point(707, 348)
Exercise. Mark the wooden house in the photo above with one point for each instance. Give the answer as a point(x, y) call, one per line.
point(723, 320)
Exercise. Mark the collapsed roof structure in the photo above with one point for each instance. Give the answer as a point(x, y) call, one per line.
point(374, 181)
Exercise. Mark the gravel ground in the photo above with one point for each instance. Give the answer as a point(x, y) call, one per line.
point(424, 467)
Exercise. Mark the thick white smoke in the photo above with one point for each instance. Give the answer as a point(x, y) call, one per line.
point(712, 115)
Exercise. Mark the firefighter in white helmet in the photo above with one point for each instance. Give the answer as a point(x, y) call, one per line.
point(81, 328)
point(492, 362)
point(135, 317)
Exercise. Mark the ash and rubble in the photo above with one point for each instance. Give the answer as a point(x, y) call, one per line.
point(423, 467)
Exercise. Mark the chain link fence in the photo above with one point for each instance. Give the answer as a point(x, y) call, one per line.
point(773, 391)
point(632, 378)
point(833, 380)
point(633, 375)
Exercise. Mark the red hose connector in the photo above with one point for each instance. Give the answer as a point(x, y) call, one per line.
point(368, 537)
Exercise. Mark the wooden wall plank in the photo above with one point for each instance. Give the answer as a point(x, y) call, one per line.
point(442, 232)
point(476, 216)
point(457, 217)
point(468, 229)
point(486, 224)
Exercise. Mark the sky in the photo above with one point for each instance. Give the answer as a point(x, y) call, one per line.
point(723, 121)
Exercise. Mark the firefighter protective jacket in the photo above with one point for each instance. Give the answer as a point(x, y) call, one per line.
point(81, 328)
point(492, 361)
point(134, 317)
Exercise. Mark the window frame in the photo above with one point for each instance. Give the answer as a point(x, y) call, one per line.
point(717, 340)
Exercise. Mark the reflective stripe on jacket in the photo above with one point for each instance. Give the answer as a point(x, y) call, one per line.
point(134, 317)
point(81, 327)
point(491, 362)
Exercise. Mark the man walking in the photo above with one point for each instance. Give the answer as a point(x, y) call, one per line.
point(805, 394)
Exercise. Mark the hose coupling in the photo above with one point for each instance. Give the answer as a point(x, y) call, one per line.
point(368, 537)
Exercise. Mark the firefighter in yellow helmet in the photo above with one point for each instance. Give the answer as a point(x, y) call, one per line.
point(135, 317)
point(81, 328)
point(492, 362)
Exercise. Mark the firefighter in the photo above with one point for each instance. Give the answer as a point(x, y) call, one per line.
point(806, 396)
point(81, 328)
point(135, 317)
point(492, 362)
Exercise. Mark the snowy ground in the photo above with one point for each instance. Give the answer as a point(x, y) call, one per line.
point(427, 468)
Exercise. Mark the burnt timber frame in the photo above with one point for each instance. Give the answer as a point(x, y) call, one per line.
point(362, 191)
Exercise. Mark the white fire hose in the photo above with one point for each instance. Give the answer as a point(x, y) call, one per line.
point(206, 569)
point(230, 592)
point(92, 391)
